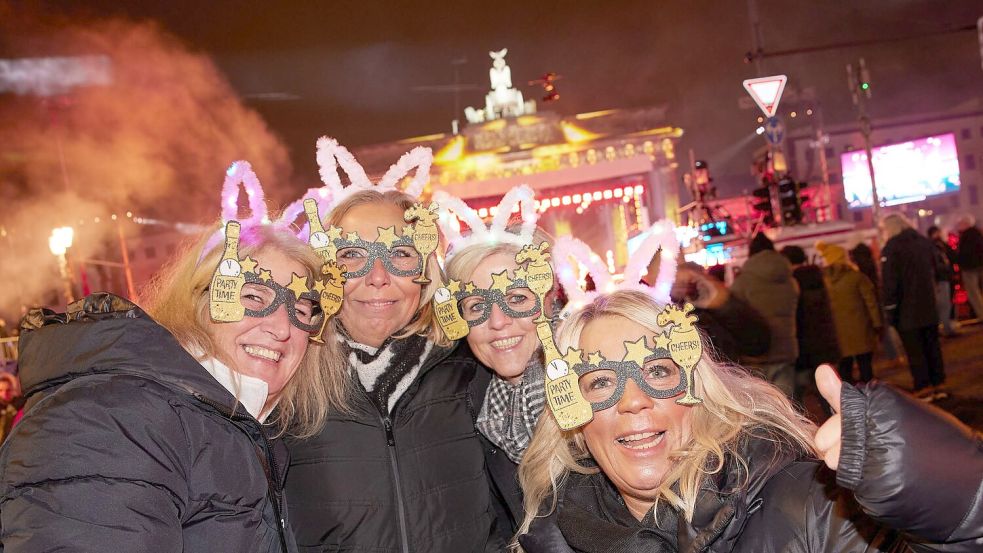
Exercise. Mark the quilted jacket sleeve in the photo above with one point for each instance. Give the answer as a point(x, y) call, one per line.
point(913, 468)
point(82, 475)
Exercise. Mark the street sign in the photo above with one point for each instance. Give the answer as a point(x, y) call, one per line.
point(766, 92)
point(774, 130)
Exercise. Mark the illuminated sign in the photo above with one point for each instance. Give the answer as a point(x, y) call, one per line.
point(766, 92)
point(907, 172)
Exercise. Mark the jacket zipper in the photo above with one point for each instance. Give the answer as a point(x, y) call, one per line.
point(394, 465)
point(387, 423)
point(271, 486)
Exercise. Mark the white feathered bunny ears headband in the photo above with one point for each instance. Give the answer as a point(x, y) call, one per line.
point(331, 155)
point(570, 253)
point(497, 230)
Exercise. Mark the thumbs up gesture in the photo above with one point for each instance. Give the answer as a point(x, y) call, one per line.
point(829, 437)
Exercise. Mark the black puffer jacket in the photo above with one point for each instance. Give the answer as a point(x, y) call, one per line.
point(128, 444)
point(911, 468)
point(412, 482)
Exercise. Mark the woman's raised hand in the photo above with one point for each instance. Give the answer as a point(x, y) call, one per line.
point(829, 437)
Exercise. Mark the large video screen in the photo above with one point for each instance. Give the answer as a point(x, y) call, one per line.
point(907, 172)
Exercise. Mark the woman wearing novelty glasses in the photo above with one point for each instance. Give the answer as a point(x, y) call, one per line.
point(161, 435)
point(403, 470)
point(500, 310)
point(739, 471)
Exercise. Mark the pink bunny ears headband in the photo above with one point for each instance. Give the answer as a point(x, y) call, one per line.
point(330, 156)
point(569, 254)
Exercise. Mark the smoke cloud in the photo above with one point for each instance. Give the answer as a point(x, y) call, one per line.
point(154, 141)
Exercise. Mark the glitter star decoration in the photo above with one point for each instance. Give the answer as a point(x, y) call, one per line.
point(521, 273)
point(637, 352)
point(469, 288)
point(454, 286)
point(351, 237)
point(298, 285)
point(387, 236)
point(594, 359)
point(249, 265)
point(573, 357)
point(501, 281)
point(318, 286)
point(334, 233)
point(662, 341)
point(408, 231)
point(265, 275)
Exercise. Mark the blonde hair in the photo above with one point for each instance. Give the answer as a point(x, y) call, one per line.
point(425, 323)
point(462, 265)
point(178, 300)
point(894, 224)
point(735, 405)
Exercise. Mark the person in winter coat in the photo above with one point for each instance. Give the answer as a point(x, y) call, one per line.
point(503, 338)
point(161, 434)
point(767, 285)
point(742, 471)
point(403, 470)
point(969, 256)
point(855, 312)
point(737, 330)
point(908, 268)
point(945, 277)
point(813, 320)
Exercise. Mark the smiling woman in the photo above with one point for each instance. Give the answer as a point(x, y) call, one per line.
point(738, 470)
point(404, 470)
point(164, 416)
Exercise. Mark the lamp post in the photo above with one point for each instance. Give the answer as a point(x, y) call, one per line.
point(59, 242)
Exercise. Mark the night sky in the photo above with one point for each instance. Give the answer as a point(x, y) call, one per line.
point(349, 69)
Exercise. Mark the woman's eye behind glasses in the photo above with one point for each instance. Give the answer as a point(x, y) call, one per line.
point(256, 297)
point(661, 374)
point(404, 258)
point(598, 386)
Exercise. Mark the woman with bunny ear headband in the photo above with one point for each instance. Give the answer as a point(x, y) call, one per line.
point(501, 311)
point(403, 469)
point(742, 471)
point(163, 415)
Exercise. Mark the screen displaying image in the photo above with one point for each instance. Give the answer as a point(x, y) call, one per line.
point(905, 172)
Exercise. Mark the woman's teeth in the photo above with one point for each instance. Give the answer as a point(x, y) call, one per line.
point(263, 352)
point(643, 440)
point(506, 343)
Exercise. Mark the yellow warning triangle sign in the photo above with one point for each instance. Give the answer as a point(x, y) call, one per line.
point(766, 92)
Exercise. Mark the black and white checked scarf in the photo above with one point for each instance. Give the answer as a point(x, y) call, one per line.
point(509, 412)
point(387, 371)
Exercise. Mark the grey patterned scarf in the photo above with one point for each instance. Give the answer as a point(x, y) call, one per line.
point(509, 412)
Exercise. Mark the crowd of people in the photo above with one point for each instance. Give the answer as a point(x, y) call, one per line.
point(372, 385)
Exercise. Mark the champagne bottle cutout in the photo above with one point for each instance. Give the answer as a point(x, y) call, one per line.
point(425, 237)
point(331, 288)
point(685, 346)
point(538, 273)
point(224, 304)
point(563, 395)
point(319, 239)
point(448, 315)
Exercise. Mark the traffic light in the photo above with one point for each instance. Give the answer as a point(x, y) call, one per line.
point(790, 198)
point(762, 204)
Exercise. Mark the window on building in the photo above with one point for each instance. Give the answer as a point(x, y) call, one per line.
point(966, 134)
point(973, 196)
point(969, 161)
point(150, 252)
